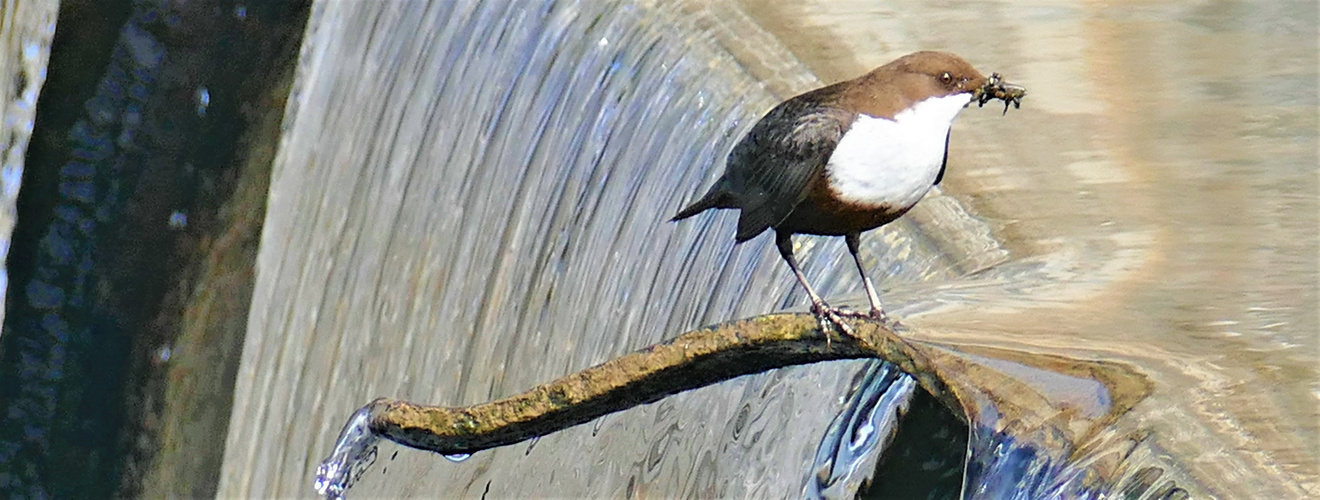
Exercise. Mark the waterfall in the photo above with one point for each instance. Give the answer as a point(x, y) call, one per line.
point(472, 198)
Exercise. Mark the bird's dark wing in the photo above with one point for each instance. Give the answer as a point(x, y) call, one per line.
point(770, 170)
point(944, 164)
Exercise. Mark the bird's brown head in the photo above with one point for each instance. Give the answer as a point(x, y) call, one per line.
point(910, 79)
point(932, 74)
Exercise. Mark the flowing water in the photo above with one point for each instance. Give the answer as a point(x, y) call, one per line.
point(471, 200)
point(1159, 199)
point(28, 31)
point(476, 203)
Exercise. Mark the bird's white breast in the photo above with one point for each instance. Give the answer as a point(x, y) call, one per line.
point(879, 161)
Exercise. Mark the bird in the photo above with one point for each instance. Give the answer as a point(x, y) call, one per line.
point(848, 158)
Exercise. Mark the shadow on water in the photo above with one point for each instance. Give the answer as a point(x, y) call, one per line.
point(926, 457)
point(892, 440)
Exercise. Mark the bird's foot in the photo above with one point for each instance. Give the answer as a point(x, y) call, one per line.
point(876, 314)
point(831, 318)
point(849, 313)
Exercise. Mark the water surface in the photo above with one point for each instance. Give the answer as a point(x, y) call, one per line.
point(1159, 197)
point(484, 213)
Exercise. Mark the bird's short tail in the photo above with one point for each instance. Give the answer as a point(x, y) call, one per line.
point(714, 199)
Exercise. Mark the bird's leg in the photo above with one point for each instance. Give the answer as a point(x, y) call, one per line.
point(824, 313)
point(854, 242)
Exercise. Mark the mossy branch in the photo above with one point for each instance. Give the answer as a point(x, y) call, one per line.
point(694, 359)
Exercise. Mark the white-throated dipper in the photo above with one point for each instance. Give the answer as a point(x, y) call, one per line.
point(849, 157)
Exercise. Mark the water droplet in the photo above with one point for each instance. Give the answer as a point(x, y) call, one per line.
point(458, 457)
point(203, 100)
point(178, 219)
point(354, 452)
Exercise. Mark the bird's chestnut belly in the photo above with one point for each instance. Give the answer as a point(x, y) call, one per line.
point(823, 212)
point(834, 218)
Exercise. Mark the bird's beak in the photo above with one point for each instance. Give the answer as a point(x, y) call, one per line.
point(996, 88)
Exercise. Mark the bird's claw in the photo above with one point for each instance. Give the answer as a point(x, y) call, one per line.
point(874, 314)
point(831, 318)
point(849, 313)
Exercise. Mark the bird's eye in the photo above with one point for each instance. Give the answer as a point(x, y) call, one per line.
point(946, 78)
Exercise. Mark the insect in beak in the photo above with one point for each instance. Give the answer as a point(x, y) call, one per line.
point(996, 88)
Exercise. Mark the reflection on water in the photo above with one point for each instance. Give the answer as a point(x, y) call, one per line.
point(851, 446)
point(484, 214)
